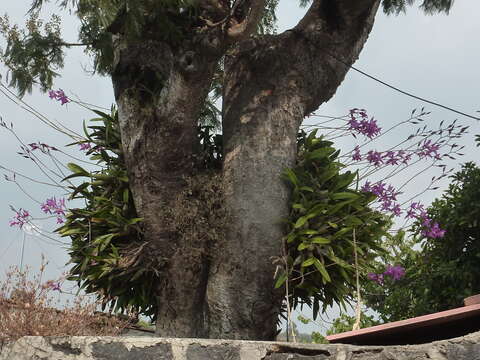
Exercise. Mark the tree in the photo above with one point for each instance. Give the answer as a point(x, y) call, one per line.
point(164, 58)
point(443, 271)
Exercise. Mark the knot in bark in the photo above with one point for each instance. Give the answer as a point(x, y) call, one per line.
point(188, 62)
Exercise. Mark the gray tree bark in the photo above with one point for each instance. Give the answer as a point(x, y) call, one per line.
point(271, 83)
point(160, 92)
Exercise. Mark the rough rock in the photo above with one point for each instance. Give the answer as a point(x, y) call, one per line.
point(133, 348)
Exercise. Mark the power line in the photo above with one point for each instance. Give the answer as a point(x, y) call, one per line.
point(402, 91)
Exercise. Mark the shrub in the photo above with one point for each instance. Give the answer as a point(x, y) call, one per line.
point(29, 307)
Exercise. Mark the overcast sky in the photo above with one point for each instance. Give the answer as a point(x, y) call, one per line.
point(435, 57)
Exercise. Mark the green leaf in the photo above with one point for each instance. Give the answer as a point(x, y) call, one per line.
point(306, 188)
point(346, 179)
point(337, 260)
point(317, 209)
point(308, 232)
point(353, 221)
point(333, 225)
point(104, 240)
point(321, 268)
point(103, 177)
point(344, 274)
point(78, 169)
point(86, 132)
point(103, 115)
point(303, 246)
point(311, 138)
point(290, 175)
point(309, 262)
point(84, 265)
point(281, 280)
point(79, 189)
point(320, 240)
point(315, 308)
point(74, 176)
point(319, 153)
point(126, 196)
point(339, 206)
point(345, 196)
point(300, 222)
point(134, 221)
point(291, 237)
point(342, 231)
point(66, 232)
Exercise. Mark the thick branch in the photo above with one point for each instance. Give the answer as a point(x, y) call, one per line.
point(254, 11)
point(75, 44)
point(271, 83)
point(303, 61)
point(341, 11)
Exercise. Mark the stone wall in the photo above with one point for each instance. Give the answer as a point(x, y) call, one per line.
point(142, 348)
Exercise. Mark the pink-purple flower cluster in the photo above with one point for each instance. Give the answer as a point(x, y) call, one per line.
point(430, 229)
point(395, 272)
point(27, 150)
point(20, 218)
point(427, 149)
point(360, 123)
point(59, 95)
point(85, 146)
point(55, 207)
point(375, 158)
point(52, 285)
point(42, 147)
point(356, 154)
point(386, 194)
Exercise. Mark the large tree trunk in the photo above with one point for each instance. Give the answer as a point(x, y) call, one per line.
point(260, 130)
point(160, 92)
point(271, 83)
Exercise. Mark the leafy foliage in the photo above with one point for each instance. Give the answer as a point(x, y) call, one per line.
point(440, 272)
point(398, 6)
point(268, 24)
point(32, 55)
point(429, 6)
point(341, 324)
point(106, 234)
point(325, 210)
point(345, 323)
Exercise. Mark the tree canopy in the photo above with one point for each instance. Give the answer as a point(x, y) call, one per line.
point(35, 54)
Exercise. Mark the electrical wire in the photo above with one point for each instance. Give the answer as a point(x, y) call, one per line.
point(402, 91)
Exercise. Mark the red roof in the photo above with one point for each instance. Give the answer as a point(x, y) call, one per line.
point(422, 329)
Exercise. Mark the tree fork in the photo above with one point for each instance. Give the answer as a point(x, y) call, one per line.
point(271, 83)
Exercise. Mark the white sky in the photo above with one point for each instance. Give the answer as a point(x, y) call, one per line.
point(435, 57)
